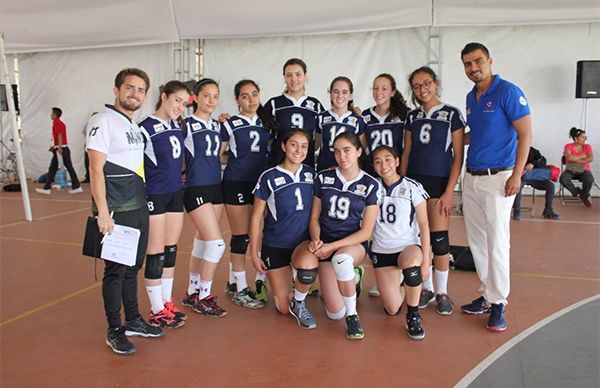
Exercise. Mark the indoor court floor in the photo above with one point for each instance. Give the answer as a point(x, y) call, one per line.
point(52, 324)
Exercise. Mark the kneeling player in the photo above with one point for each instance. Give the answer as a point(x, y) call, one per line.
point(396, 248)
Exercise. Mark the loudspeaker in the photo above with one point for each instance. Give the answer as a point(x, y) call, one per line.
point(588, 79)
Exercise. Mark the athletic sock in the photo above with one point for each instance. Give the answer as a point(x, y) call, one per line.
point(299, 296)
point(231, 276)
point(240, 280)
point(167, 288)
point(441, 281)
point(350, 303)
point(428, 284)
point(205, 288)
point(194, 283)
point(260, 276)
point(155, 296)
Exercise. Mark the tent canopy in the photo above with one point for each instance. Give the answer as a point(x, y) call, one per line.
point(40, 25)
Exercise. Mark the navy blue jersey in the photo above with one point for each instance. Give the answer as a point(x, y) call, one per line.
point(329, 125)
point(343, 202)
point(291, 113)
point(431, 134)
point(163, 156)
point(202, 152)
point(248, 148)
point(289, 200)
point(383, 130)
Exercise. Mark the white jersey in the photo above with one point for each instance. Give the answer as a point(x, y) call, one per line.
point(396, 227)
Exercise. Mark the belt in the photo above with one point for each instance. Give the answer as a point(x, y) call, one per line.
point(488, 171)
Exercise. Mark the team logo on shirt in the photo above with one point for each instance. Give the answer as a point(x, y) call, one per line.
point(443, 116)
point(308, 176)
point(310, 104)
point(367, 118)
point(352, 121)
point(237, 123)
point(522, 101)
point(158, 128)
point(196, 127)
point(488, 107)
point(279, 181)
point(326, 120)
point(420, 115)
point(360, 189)
point(329, 180)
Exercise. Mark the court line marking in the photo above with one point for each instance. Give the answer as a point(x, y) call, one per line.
point(558, 222)
point(483, 365)
point(50, 304)
point(49, 199)
point(46, 217)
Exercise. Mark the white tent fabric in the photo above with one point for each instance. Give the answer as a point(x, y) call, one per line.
point(39, 25)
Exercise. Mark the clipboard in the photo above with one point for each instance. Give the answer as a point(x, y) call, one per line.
point(120, 247)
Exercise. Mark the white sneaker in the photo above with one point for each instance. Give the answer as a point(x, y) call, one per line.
point(374, 291)
point(43, 191)
point(76, 191)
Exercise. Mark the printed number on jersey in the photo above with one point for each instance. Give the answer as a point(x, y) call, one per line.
point(297, 120)
point(334, 131)
point(255, 136)
point(383, 137)
point(388, 214)
point(209, 145)
point(339, 207)
point(299, 203)
point(176, 145)
point(425, 134)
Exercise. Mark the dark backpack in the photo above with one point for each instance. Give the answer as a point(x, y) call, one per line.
point(461, 258)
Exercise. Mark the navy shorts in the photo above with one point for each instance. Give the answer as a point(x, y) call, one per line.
point(276, 257)
point(165, 203)
point(238, 193)
point(434, 185)
point(196, 196)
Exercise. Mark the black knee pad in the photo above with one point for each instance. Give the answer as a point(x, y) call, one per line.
point(170, 255)
point(412, 276)
point(307, 276)
point(154, 266)
point(440, 243)
point(239, 244)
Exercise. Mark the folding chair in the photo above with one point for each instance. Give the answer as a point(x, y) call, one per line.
point(564, 194)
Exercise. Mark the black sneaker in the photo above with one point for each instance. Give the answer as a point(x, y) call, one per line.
point(549, 214)
point(138, 326)
point(116, 340)
point(230, 289)
point(413, 326)
point(353, 328)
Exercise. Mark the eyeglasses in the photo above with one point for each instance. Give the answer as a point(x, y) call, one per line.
point(425, 85)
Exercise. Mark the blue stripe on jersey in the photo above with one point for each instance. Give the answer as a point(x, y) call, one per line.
point(343, 203)
point(329, 125)
point(202, 152)
point(163, 156)
point(248, 148)
point(387, 130)
point(431, 133)
point(289, 200)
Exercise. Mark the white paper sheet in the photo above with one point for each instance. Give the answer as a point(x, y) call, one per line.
point(121, 245)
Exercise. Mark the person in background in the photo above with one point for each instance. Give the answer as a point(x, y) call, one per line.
point(578, 156)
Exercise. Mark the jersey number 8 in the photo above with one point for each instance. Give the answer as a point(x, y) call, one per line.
point(176, 145)
point(339, 207)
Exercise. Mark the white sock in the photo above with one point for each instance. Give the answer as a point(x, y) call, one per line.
point(231, 277)
point(240, 280)
point(205, 288)
point(193, 285)
point(167, 288)
point(428, 284)
point(299, 296)
point(155, 296)
point(441, 281)
point(261, 276)
point(350, 303)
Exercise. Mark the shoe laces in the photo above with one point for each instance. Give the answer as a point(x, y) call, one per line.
point(302, 310)
point(171, 307)
point(167, 313)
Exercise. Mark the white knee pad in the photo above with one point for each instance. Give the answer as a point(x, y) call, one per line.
point(336, 316)
point(213, 250)
point(343, 265)
point(198, 248)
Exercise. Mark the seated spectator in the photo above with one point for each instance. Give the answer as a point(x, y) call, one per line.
point(536, 174)
point(578, 156)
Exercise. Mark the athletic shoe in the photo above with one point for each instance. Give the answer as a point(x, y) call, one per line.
point(353, 328)
point(358, 276)
point(178, 314)
point(247, 298)
point(165, 318)
point(496, 321)
point(230, 289)
point(550, 215)
point(426, 298)
point(476, 307)
point(413, 326)
point(302, 315)
point(260, 288)
point(43, 191)
point(209, 307)
point(116, 340)
point(374, 291)
point(443, 304)
point(138, 326)
point(313, 290)
point(76, 191)
point(190, 300)
point(586, 200)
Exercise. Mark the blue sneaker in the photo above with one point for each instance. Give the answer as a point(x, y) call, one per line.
point(476, 307)
point(496, 322)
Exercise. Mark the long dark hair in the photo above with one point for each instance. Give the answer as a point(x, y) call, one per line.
point(355, 141)
point(294, 61)
point(265, 116)
point(575, 133)
point(350, 86)
point(423, 69)
point(170, 88)
point(383, 148)
point(398, 107)
point(199, 86)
